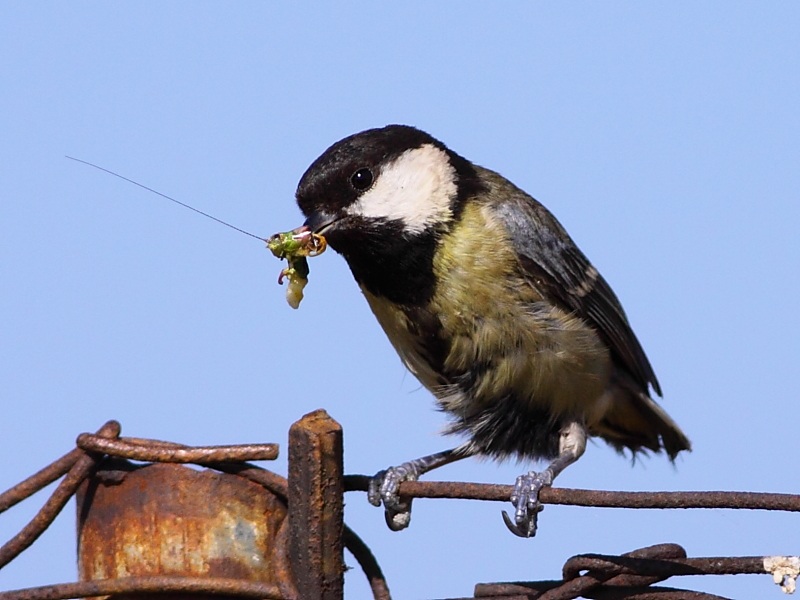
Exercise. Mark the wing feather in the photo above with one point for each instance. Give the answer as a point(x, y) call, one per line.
point(556, 266)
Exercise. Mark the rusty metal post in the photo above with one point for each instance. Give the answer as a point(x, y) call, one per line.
point(316, 506)
point(166, 519)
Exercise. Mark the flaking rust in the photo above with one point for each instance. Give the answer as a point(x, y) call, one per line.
point(166, 519)
point(316, 519)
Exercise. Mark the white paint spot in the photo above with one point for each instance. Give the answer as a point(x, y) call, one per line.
point(417, 189)
point(784, 570)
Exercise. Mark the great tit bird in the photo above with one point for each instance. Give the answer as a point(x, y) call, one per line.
point(490, 304)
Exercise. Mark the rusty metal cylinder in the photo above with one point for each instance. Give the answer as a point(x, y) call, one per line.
point(166, 519)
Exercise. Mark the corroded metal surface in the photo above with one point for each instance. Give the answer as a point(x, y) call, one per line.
point(167, 519)
point(97, 459)
point(316, 520)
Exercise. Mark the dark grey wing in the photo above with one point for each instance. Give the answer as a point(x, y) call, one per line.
point(565, 276)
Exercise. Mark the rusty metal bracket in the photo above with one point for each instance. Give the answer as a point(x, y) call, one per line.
point(168, 530)
point(317, 516)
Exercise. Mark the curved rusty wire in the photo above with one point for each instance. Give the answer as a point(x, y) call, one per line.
point(368, 563)
point(80, 469)
point(38, 480)
point(629, 576)
point(151, 584)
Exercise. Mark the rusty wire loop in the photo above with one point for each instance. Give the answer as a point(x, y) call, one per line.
point(595, 498)
point(146, 450)
point(628, 576)
point(577, 583)
point(151, 584)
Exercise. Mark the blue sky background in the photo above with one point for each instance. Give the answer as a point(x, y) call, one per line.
point(664, 136)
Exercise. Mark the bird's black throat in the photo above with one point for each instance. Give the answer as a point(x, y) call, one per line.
point(388, 260)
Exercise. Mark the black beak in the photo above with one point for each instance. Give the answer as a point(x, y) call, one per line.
point(319, 221)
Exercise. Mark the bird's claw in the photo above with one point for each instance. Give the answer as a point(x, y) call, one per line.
point(525, 499)
point(383, 489)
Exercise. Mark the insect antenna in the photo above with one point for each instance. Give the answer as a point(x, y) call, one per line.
point(149, 189)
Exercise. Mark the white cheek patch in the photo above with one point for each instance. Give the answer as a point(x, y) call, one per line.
point(417, 189)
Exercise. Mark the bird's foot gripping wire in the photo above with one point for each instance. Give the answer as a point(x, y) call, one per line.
point(525, 499)
point(384, 486)
point(383, 489)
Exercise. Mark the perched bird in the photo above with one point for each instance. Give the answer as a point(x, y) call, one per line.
point(490, 304)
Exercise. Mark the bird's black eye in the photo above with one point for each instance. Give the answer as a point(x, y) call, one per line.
point(362, 179)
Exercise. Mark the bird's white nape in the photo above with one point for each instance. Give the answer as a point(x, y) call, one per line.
point(417, 188)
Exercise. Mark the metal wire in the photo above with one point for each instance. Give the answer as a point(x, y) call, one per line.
point(153, 451)
point(152, 584)
point(80, 469)
point(630, 576)
point(595, 498)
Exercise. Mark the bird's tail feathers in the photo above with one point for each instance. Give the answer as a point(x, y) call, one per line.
point(637, 422)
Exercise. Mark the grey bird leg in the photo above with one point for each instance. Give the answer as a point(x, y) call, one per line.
point(525, 496)
point(384, 485)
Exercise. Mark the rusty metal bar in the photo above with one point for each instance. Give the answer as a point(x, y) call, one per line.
point(316, 509)
point(651, 593)
point(664, 567)
point(153, 584)
point(605, 592)
point(146, 450)
point(523, 590)
point(39, 480)
point(49, 511)
point(595, 498)
point(537, 590)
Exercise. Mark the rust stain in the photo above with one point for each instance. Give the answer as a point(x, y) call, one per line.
point(166, 519)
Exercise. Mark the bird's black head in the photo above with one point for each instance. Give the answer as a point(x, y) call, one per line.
point(381, 198)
